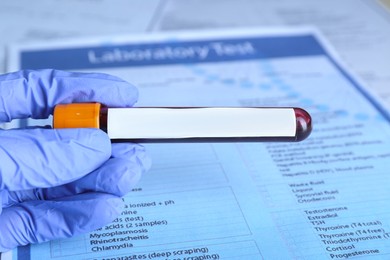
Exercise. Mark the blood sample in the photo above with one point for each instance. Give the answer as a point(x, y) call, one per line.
point(188, 124)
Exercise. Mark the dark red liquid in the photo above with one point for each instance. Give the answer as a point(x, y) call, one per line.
point(303, 124)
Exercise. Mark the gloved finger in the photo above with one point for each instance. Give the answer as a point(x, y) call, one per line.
point(117, 176)
point(40, 221)
point(34, 93)
point(42, 158)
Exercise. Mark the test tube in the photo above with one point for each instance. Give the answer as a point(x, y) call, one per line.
point(188, 124)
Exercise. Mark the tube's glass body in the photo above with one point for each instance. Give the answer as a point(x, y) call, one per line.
point(189, 124)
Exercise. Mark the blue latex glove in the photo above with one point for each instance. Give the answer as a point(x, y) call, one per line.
point(59, 183)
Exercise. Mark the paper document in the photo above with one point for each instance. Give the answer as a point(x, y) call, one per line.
point(324, 198)
point(358, 29)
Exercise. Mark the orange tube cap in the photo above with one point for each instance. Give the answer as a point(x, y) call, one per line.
point(81, 115)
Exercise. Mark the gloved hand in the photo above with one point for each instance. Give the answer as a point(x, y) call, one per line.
point(59, 183)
